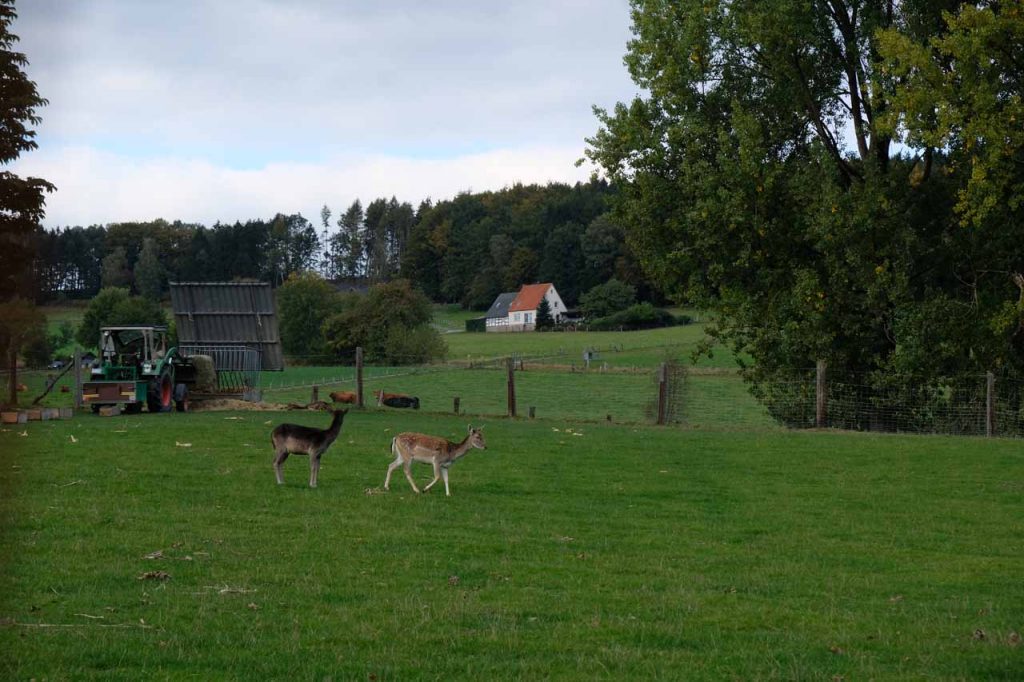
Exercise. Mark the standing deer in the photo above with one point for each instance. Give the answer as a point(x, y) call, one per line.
point(293, 439)
point(417, 447)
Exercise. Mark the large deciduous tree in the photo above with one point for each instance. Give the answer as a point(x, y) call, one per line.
point(21, 199)
point(757, 175)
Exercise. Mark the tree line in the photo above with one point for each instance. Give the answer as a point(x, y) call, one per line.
point(466, 250)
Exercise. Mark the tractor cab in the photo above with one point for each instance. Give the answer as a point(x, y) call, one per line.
point(126, 353)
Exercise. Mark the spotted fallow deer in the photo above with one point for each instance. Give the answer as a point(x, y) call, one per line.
point(294, 439)
point(417, 447)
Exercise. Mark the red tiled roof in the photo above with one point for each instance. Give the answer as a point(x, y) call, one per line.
point(529, 297)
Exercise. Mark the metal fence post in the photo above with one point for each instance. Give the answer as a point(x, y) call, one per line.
point(78, 377)
point(511, 387)
point(990, 404)
point(359, 376)
point(820, 399)
point(662, 393)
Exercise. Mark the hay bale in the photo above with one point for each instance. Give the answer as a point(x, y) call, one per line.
point(206, 374)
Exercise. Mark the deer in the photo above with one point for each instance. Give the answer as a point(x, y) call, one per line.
point(441, 453)
point(294, 439)
point(344, 397)
point(397, 400)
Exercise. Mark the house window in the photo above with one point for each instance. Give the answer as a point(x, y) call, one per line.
point(529, 318)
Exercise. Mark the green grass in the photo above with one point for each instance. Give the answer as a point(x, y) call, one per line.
point(618, 349)
point(622, 552)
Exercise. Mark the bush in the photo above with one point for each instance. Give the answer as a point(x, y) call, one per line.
point(606, 299)
point(390, 323)
point(639, 316)
point(115, 306)
point(304, 302)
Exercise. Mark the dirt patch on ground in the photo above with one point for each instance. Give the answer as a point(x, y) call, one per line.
point(221, 404)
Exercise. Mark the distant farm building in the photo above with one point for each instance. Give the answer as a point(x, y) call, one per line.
point(517, 311)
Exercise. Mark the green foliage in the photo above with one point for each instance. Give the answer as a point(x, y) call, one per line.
point(149, 274)
point(544, 319)
point(116, 306)
point(605, 299)
point(21, 199)
point(390, 323)
point(303, 303)
point(639, 316)
point(22, 327)
point(116, 272)
point(739, 196)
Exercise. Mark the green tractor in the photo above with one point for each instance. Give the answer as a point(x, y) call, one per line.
point(136, 368)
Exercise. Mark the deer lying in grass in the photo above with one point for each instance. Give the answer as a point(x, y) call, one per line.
point(416, 447)
point(344, 397)
point(399, 400)
point(293, 439)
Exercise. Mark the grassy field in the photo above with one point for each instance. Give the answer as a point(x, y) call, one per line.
point(567, 551)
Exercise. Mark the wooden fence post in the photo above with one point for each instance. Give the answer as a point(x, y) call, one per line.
point(316, 394)
point(662, 393)
point(455, 404)
point(77, 369)
point(990, 404)
point(511, 387)
point(820, 399)
point(359, 377)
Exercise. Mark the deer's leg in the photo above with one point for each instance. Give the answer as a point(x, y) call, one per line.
point(407, 467)
point(394, 465)
point(314, 469)
point(444, 475)
point(437, 476)
point(279, 457)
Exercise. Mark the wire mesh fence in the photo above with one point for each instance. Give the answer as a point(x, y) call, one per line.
point(546, 387)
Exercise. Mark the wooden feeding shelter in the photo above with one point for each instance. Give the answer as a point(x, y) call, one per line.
point(235, 323)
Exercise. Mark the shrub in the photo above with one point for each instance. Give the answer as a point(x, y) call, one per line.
point(304, 301)
point(390, 323)
point(115, 306)
point(606, 299)
point(639, 316)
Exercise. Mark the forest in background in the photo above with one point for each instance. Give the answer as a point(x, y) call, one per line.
point(463, 250)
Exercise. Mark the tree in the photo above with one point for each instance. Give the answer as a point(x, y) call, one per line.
point(21, 199)
point(605, 299)
point(544, 319)
point(21, 324)
point(326, 262)
point(114, 306)
point(115, 268)
point(304, 302)
point(347, 251)
point(391, 324)
point(738, 193)
point(149, 274)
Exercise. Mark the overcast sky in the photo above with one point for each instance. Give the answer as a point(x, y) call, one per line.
point(207, 110)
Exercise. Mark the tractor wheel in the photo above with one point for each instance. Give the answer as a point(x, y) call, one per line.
point(158, 394)
point(181, 397)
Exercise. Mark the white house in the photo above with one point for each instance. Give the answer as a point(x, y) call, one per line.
point(522, 312)
point(497, 314)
